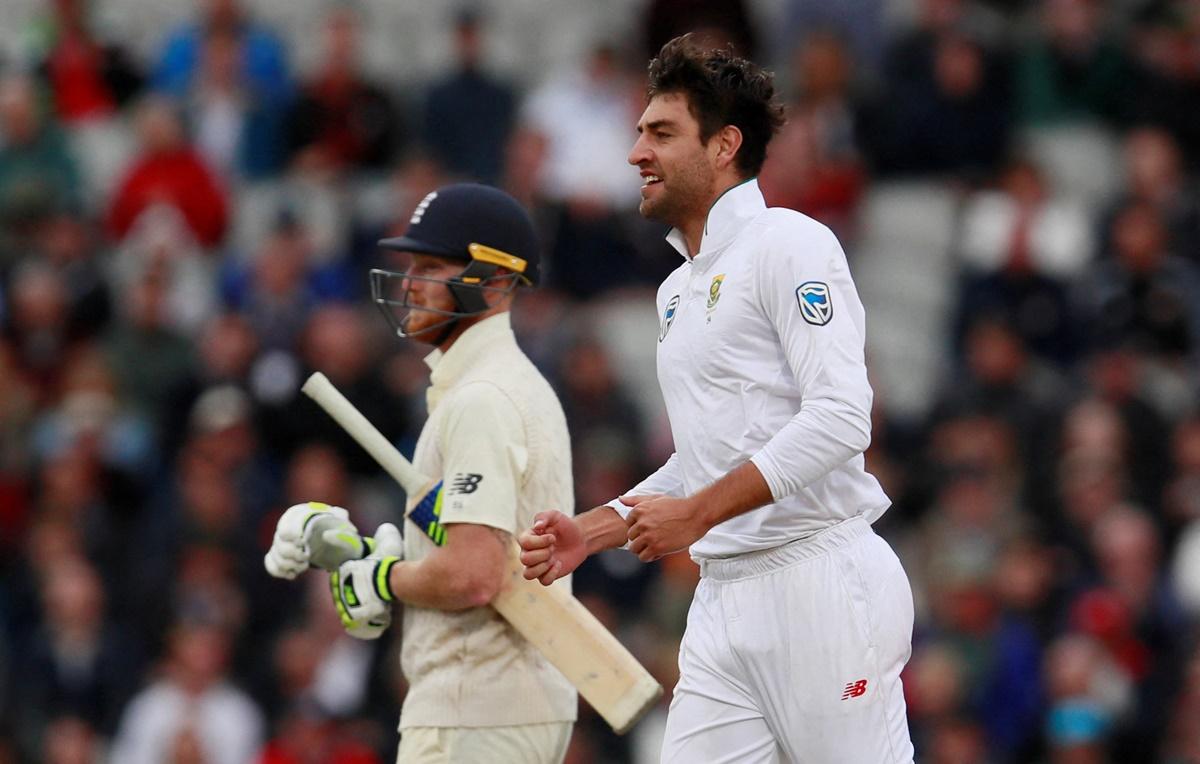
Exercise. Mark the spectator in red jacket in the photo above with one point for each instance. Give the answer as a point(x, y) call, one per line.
point(169, 172)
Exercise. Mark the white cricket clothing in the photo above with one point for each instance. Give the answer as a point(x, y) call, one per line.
point(497, 437)
point(794, 654)
point(802, 620)
point(760, 358)
point(519, 744)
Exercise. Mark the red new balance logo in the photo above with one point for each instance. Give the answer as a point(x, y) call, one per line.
point(854, 689)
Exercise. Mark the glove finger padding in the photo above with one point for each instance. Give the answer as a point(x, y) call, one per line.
point(332, 540)
point(280, 566)
point(388, 541)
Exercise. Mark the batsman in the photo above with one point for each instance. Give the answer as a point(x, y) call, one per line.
point(496, 433)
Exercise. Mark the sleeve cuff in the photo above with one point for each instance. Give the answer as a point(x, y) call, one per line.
point(623, 511)
point(766, 468)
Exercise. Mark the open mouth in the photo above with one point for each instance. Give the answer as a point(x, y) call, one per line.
point(650, 180)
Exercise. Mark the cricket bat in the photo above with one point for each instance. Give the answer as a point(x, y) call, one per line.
point(563, 630)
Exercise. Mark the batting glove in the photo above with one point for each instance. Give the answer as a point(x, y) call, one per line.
point(314, 534)
point(361, 592)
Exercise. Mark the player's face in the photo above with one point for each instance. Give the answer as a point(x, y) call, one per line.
point(426, 297)
point(677, 169)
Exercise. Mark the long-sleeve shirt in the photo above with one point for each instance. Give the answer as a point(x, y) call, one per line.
point(760, 358)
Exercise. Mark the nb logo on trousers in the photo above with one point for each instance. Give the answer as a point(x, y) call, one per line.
point(854, 689)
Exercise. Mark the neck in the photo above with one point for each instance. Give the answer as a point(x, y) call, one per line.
point(461, 326)
point(693, 228)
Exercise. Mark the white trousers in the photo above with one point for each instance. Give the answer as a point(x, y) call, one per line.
point(794, 654)
point(517, 744)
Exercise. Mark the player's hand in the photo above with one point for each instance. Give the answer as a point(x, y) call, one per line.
point(660, 525)
point(313, 533)
point(552, 548)
point(361, 591)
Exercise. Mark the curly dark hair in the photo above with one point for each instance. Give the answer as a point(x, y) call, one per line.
point(721, 89)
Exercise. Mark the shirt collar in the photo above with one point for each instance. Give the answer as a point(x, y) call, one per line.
point(732, 210)
point(447, 367)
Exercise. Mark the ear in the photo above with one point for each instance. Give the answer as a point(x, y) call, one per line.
point(727, 142)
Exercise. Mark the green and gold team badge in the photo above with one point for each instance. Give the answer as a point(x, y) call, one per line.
point(714, 294)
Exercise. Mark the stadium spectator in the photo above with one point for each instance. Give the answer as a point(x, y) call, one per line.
point(262, 63)
point(1144, 295)
point(584, 117)
point(1072, 71)
point(1163, 44)
point(78, 663)
point(1155, 173)
point(813, 165)
point(87, 77)
point(943, 109)
point(168, 172)
point(238, 125)
point(469, 113)
point(192, 710)
point(38, 174)
point(340, 120)
point(1020, 249)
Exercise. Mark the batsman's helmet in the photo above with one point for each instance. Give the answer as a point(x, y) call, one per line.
point(483, 227)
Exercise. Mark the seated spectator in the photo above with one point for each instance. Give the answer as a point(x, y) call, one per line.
point(72, 245)
point(1144, 633)
point(469, 112)
point(337, 341)
point(342, 121)
point(813, 164)
point(1155, 173)
point(1020, 249)
point(192, 707)
point(716, 23)
point(945, 112)
point(169, 172)
point(584, 116)
point(283, 283)
point(79, 663)
point(1164, 40)
point(1001, 378)
point(87, 77)
point(1072, 71)
point(1087, 692)
point(38, 175)
point(147, 354)
point(37, 329)
point(238, 125)
point(1144, 296)
point(263, 62)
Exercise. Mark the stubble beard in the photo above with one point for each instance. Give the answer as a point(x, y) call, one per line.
point(686, 196)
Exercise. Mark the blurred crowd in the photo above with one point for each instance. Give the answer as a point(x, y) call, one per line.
point(184, 237)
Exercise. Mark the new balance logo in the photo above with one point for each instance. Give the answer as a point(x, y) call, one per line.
point(465, 482)
point(854, 689)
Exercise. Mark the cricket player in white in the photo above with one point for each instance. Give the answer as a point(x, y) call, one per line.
point(496, 434)
point(802, 620)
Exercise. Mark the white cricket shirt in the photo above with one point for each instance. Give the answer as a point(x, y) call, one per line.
point(760, 357)
point(497, 437)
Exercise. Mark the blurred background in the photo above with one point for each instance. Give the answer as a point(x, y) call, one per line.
point(190, 192)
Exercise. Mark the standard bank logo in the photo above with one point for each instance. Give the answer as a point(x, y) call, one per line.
point(668, 318)
point(815, 305)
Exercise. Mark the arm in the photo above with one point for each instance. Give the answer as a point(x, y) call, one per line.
point(464, 573)
point(482, 442)
point(827, 360)
point(557, 544)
